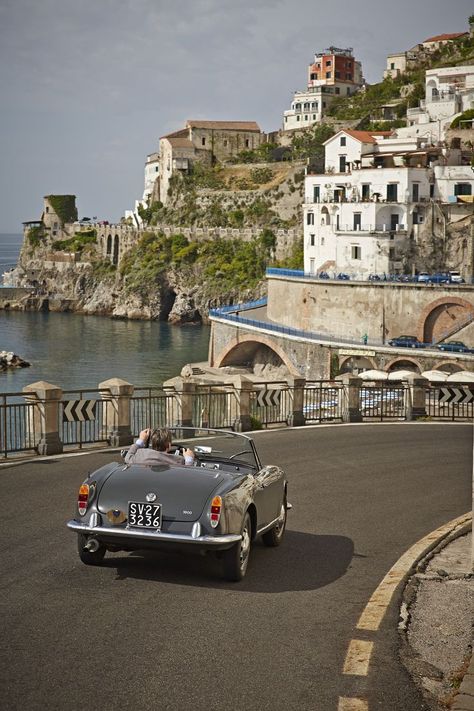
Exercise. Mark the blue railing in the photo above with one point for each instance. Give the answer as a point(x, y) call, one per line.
point(372, 278)
point(241, 307)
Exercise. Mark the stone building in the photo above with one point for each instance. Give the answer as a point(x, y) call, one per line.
point(333, 73)
point(208, 142)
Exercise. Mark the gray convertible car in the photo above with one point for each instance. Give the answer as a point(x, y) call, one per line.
point(218, 505)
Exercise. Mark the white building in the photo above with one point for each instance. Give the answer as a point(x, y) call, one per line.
point(362, 213)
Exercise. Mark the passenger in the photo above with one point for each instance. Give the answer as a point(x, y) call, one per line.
point(153, 447)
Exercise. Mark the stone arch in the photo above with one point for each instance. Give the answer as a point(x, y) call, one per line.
point(447, 366)
point(403, 363)
point(115, 257)
point(441, 315)
point(240, 350)
point(109, 245)
point(432, 90)
point(354, 364)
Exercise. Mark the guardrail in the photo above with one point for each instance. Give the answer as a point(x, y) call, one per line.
point(48, 421)
point(430, 279)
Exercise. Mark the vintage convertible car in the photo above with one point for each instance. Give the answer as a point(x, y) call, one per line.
point(220, 504)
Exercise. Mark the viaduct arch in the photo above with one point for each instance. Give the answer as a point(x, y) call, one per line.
point(250, 349)
point(441, 315)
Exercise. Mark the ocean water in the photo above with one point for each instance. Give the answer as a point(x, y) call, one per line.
point(78, 352)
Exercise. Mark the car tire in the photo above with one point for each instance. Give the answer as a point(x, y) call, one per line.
point(89, 557)
point(274, 536)
point(235, 560)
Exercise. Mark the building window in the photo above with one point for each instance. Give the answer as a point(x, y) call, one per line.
point(328, 62)
point(415, 192)
point(314, 117)
point(306, 106)
point(306, 117)
point(225, 143)
point(337, 90)
point(322, 241)
point(342, 164)
point(392, 65)
point(47, 209)
point(316, 193)
point(357, 221)
point(356, 252)
point(338, 75)
point(311, 266)
point(324, 104)
point(328, 75)
point(348, 91)
point(298, 118)
point(342, 141)
point(365, 191)
point(314, 105)
point(349, 77)
point(463, 189)
point(203, 141)
point(392, 192)
point(391, 253)
point(313, 76)
point(247, 143)
point(311, 240)
point(310, 218)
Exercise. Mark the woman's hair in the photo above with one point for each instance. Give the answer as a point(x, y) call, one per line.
point(160, 439)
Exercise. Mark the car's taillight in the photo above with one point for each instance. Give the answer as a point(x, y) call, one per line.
point(83, 499)
point(216, 508)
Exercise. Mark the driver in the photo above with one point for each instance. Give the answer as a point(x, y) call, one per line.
point(153, 447)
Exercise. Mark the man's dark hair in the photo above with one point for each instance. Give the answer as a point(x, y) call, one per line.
point(160, 439)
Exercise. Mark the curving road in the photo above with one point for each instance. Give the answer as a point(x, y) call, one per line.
point(156, 631)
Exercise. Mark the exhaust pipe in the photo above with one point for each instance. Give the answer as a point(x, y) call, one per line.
point(92, 545)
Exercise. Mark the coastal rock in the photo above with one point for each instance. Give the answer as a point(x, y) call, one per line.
point(8, 359)
point(184, 310)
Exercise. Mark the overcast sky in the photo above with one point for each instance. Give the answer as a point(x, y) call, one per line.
point(87, 87)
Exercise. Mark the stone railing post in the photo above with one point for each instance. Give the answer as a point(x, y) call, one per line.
point(117, 420)
point(415, 397)
point(243, 389)
point(296, 417)
point(184, 392)
point(351, 406)
point(43, 418)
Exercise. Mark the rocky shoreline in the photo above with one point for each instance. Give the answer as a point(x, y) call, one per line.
point(8, 359)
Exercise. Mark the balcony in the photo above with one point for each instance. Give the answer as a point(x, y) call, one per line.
point(371, 229)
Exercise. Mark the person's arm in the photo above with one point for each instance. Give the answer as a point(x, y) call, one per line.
point(139, 444)
point(188, 457)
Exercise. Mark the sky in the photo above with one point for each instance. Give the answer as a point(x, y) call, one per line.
point(87, 87)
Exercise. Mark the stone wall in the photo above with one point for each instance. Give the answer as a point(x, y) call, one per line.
point(382, 311)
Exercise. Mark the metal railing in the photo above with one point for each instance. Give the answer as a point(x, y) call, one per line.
point(214, 406)
point(450, 401)
point(270, 403)
point(86, 417)
point(17, 419)
point(153, 407)
point(383, 402)
point(323, 400)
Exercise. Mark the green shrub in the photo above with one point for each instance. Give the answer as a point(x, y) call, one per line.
point(261, 175)
point(77, 243)
point(64, 206)
point(35, 235)
point(466, 116)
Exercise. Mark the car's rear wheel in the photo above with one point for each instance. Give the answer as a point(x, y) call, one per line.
point(235, 560)
point(89, 557)
point(274, 536)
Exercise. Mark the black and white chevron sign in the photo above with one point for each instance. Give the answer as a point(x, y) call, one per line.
point(79, 410)
point(461, 395)
point(268, 398)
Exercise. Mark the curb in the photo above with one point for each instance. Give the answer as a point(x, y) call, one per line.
point(464, 699)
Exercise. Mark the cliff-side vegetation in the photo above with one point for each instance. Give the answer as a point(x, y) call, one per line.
point(218, 266)
point(77, 243)
point(35, 236)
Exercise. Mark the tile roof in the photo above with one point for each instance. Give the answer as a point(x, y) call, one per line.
point(180, 142)
point(440, 38)
point(225, 125)
point(367, 136)
point(183, 132)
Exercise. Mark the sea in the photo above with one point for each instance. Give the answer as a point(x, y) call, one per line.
point(77, 352)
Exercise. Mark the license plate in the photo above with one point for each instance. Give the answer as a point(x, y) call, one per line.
point(144, 515)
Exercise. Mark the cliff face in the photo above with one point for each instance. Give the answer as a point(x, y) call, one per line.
point(177, 294)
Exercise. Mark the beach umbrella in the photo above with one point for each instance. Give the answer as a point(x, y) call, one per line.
point(435, 376)
point(373, 375)
point(401, 374)
point(463, 376)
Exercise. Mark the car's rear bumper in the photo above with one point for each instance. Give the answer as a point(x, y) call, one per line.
point(134, 536)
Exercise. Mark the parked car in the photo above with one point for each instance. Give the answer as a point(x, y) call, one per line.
point(323, 275)
point(455, 277)
point(374, 277)
point(423, 277)
point(406, 342)
point(342, 276)
point(439, 278)
point(219, 505)
point(455, 347)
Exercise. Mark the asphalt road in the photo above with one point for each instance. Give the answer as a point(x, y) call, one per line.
point(155, 631)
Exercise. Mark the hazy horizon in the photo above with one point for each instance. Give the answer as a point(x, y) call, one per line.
point(88, 88)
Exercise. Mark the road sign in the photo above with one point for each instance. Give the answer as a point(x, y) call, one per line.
point(79, 410)
point(268, 398)
point(460, 395)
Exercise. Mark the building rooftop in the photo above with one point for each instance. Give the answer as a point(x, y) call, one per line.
point(441, 38)
point(225, 125)
point(364, 136)
point(180, 142)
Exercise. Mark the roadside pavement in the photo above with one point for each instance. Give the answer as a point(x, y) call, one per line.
point(438, 623)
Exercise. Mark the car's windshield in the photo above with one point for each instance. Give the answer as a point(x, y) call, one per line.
point(216, 444)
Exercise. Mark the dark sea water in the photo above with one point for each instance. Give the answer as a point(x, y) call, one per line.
point(77, 352)
point(9, 250)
